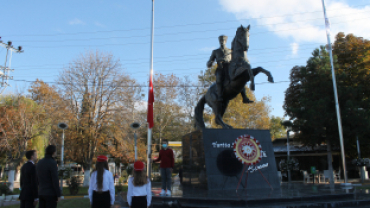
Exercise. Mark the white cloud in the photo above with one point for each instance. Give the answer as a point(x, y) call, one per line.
point(295, 47)
point(99, 24)
point(76, 21)
point(307, 23)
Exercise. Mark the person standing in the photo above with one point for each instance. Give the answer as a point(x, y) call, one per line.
point(47, 172)
point(167, 159)
point(28, 185)
point(139, 194)
point(101, 189)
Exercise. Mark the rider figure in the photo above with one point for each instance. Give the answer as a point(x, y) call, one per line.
point(223, 58)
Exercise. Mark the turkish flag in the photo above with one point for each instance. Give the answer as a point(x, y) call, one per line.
point(150, 103)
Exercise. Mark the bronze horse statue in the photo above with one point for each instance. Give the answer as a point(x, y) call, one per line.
point(239, 76)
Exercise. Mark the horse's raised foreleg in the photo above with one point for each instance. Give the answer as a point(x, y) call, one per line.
point(262, 70)
point(245, 97)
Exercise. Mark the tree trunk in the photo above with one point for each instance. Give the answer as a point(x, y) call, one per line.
point(2, 171)
point(11, 174)
point(86, 182)
point(330, 163)
point(17, 176)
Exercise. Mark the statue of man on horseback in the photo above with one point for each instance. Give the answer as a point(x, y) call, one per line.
point(222, 56)
point(233, 72)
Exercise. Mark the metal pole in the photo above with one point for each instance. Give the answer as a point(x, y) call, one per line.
point(61, 161)
point(135, 138)
point(62, 150)
point(358, 147)
point(362, 168)
point(149, 151)
point(335, 95)
point(288, 150)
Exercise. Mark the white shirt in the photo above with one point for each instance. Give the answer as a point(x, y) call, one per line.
point(108, 185)
point(145, 190)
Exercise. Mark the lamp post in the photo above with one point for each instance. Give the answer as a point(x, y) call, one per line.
point(135, 126)
point(288, 124)
point(288, 151)
point(62, 126)
point(360, 160)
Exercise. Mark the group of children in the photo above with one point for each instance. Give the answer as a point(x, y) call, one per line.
point(139, 194)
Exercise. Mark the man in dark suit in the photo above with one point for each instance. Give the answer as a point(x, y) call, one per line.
point(29, 195)
point(47, 172)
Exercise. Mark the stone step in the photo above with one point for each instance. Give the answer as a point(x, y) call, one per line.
point(303, 204)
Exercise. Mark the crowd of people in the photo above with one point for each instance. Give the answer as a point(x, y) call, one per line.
point(39, 183)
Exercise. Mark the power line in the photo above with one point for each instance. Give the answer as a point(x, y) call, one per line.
point(175, 41)
point(176, 33)
point(171, 26)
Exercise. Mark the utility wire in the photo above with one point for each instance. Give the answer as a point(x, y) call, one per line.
point(173, 41)
point(176, 33)
point(180, 25)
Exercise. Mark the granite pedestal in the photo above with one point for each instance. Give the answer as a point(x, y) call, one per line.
point(209, 161)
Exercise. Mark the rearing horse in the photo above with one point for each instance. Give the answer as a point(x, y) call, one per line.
point(239, 76)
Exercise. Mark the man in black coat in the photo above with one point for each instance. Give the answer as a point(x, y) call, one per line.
point(47, 172)
point(28, 186)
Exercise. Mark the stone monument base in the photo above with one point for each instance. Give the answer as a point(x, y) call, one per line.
point(209, 161)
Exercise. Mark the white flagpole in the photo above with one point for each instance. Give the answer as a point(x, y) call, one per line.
point(327, 25)
point(149, 162)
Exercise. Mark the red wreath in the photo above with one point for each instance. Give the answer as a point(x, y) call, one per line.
point(247, 150)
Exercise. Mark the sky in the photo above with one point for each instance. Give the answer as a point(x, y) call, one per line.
point(283, 34)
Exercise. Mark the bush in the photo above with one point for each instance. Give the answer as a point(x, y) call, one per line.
point(122, 180)
point(73, 186)
point(129, 170)
point(119, 187)
point(4, 189)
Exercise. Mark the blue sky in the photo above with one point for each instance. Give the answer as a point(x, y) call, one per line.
point(283, 34)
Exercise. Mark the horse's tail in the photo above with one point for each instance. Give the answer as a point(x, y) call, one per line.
point(199, 121)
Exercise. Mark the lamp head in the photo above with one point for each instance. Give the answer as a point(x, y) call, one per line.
point(62, 125)
point(135, 125)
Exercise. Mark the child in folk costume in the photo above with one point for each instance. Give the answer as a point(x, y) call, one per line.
point(101, 189)
point(139, 194)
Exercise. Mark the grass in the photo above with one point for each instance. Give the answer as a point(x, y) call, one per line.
point(67, 203)
point(81, 191)
point(363, 187)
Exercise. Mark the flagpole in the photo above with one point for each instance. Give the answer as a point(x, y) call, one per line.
point(327, 25)
point(149, 151)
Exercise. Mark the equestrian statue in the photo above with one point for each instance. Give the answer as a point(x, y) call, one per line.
point(232, 73)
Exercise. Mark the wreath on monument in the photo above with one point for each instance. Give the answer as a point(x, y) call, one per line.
point(247, 150)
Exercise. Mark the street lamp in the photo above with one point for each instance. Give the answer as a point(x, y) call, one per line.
point(288, 124)
point(62, 126)
point(135, 126)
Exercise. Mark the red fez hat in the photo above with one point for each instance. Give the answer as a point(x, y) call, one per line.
point(138, 166)
point(102, 158)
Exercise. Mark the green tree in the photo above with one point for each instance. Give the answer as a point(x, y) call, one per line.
point(277, 130)
point(309, 100)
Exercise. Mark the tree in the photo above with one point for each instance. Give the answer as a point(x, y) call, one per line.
point(309, 100)
point(167, 111)
point(22, 128)
point(96, 90)
point(55, 108)
point(353, 69)
point(277, 130)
